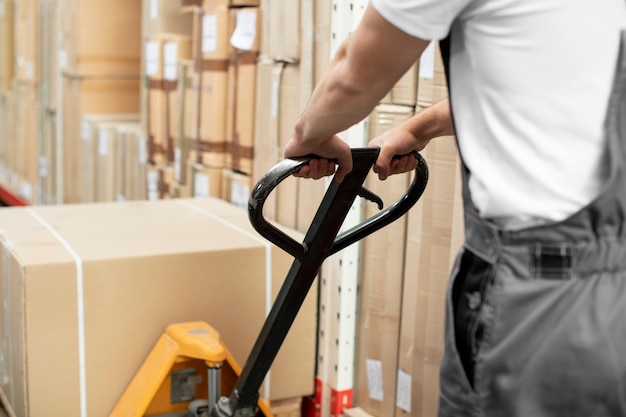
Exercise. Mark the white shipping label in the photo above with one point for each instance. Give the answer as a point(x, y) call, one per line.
point(152, 58)
point(170, 68)
point(85, 130)
point(154, 9)
point(62, 60)
point(275, 98)
point(43, 166)
point(103, 143)
point(403, 393)
point(239, 194)
point(30, 69)
point(374, 379)
point(177, 163)
point(427, 62)
point(143, 150)
point(245, 30)
point(201, 185)
point(120, 198)
point(152, 178)
point(209, 33)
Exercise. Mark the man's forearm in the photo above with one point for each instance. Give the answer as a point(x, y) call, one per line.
point(366, 66)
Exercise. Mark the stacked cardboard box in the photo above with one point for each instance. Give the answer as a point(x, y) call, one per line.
point(7, 43)
point(94, 286)
point(101, 74)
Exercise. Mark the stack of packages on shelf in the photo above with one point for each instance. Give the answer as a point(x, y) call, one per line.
point(7, 68)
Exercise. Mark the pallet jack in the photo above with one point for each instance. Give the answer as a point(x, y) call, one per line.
point(197, 340)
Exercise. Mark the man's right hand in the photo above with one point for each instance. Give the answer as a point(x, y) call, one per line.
point(334, 154)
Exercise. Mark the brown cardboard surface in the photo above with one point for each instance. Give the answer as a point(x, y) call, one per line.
point(236, 188)
point(144, 265)
point(165, 16)
point(435, 233)
point(404, 92)
point(102, 37)
point(206, 181)
point(281, 30)
point(25, 140)
point(26, 41)
point(48, 52)
point(321, 38)
point(89, 151)
point(382, 278)
point(90, 96)
point(7, 43)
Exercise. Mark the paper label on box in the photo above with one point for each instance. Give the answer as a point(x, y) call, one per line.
point(275, 97)
point(103, 143)
point(201, 185)
point(154, 9)
point(209, 33)
point(374, 379)
point(152, 178)
point(403, 393)
point(177, 162)
point(143, 150)
point(245, 30)
point(26, 190)
point(30, 69)
point(239, 194)
point(120, 198)
point(427, 62)
point(85, 130)
point(152, 58)
point(170, 67)
point(43, 166)
point(62, 59)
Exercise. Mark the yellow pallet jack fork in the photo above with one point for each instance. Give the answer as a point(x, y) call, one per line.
point(199, 340)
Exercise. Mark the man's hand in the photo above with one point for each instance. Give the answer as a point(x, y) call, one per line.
point(332, 151)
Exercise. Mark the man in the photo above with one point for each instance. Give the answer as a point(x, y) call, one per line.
point(536, 311)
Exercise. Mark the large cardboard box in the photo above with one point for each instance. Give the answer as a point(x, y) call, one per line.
point(435, 233)
point(88, 289)
point(381, 283)
point(7, 43)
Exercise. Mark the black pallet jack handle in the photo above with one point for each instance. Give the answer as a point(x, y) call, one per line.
point(320, 241)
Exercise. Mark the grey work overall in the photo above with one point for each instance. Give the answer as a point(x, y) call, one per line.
point(540, 326)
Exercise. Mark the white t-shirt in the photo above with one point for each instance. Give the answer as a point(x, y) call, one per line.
point(531, 82)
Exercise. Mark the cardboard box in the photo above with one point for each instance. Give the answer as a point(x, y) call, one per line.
point(431, 85)
point(404, 92)
point(236, 188)
point(139, 267)
point(281, 30)
point(107, 155)
point(6, 131)
point(206, 181)
point(25, 141)
point(163, 53)
point(321, 39)
point(245, 42)
point(381, 284)
point(87, 164)
point(134, 142)
point(47, 160)
point(90, 96)
point(213, 82)
point(435, 233)
point(165, 16)
point(7, 43)
point(48, 53)
point(26, 41)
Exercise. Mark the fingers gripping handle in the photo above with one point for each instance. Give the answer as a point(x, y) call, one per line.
point(287, 167)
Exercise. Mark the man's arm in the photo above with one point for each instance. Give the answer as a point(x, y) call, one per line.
point(366, 66)
point(413, 134)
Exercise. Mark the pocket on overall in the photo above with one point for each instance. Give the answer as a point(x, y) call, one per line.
point(468, 295)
